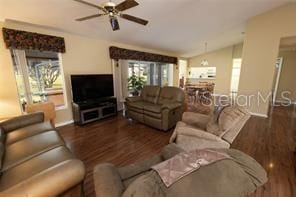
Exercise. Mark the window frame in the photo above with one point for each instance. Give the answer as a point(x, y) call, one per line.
point(20, 57)
point(156, 68)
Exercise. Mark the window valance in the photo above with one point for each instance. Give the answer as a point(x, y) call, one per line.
point(16, 39)
point(126, 54)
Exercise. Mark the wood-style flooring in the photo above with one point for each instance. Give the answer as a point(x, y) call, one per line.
point(116, 140)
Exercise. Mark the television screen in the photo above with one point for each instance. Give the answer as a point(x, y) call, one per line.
point(91, 87)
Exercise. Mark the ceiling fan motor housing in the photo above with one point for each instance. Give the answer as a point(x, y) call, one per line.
point(110, 6)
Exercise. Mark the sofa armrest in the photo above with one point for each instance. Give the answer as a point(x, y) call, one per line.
point(171, 106)
point(133, 99)
point(107, 181)
point(22, 121)
point(50, 182)
point(196, 119)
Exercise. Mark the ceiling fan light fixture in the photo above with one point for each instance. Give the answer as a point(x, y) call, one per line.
point(114, 23)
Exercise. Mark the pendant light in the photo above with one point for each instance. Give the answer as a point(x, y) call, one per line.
point(205, 62)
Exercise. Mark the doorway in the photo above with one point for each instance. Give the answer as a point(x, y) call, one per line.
point(284, 89)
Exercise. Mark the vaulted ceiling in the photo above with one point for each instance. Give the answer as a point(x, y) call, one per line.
point(178, 26)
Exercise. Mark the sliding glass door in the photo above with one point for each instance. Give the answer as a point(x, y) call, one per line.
point(153, 73)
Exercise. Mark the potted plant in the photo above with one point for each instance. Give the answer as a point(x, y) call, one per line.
point(136, 84)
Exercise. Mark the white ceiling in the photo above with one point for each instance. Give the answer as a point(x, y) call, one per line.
point(178, 26)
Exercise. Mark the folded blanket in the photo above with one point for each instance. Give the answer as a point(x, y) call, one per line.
point(182, 164)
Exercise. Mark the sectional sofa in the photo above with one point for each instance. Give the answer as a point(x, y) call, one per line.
point(35, 160)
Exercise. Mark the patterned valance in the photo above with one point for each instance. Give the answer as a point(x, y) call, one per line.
point(126, 54)
point(16, 39)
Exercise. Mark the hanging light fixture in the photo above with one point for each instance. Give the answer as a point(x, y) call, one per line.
point(205, 62)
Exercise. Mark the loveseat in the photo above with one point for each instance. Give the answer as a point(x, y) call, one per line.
point(238, 176)
point(158, 107)
point(35, 160)
point(217, 130)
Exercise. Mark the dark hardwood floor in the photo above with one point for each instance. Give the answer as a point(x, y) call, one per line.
point(116, 140)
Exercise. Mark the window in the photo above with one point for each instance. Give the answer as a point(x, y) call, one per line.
point(39, 77)
point(235, 76)
point(153, 73)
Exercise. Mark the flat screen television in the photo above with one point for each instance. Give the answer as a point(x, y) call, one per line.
point(91, 87)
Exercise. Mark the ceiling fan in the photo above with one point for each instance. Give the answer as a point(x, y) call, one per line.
point(114, 11)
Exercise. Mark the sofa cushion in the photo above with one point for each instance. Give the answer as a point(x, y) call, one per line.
point(30, 147)
point(137, 105)
point(152, 114)
point(152, 107)
point(47, 174)
point(27, 131)
point(150, 94)
point(171, 95)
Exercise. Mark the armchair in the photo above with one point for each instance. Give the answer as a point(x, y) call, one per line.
point(234, 177)
point(198, 131)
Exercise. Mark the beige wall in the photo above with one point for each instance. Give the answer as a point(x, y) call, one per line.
point(9, 106)
point(222, 60)
point(83, 55)
point(287, 77)
point(263, 34)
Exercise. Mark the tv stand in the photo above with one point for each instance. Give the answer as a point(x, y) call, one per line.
point(93, 110)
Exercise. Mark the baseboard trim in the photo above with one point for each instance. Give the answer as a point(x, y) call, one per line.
point(259, 115)
point(64, 123)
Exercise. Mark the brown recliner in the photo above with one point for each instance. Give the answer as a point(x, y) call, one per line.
point(218, 130)
point(157, 107)
point(35, 160)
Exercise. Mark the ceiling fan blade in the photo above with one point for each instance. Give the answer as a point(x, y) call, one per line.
point(127, 4)
point(90, 4)
point(114, 23)
point(88, 17)
point(134, 19)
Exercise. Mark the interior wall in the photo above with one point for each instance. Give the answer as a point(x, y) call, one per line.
point(287, 77)
point(221, 59)
point(9, 106)
point(260, 51)
point(83, 56)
